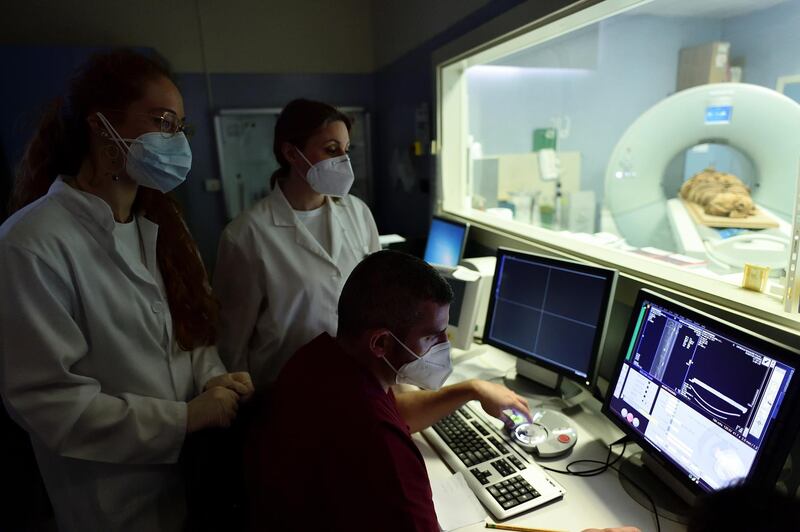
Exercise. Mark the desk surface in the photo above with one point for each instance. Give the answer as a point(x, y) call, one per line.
point(598, 501)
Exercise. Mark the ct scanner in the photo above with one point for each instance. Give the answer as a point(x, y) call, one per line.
point(760, 122)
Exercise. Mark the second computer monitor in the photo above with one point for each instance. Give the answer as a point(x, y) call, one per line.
point(551, 312)
point(712, 403)
point(446, 241)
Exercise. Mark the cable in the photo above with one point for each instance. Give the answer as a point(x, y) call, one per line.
point(605, 466)
point(649, 498)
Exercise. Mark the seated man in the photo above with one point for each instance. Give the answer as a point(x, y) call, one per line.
point(335, 450)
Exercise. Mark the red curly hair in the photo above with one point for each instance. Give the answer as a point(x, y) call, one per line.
point(113, 81)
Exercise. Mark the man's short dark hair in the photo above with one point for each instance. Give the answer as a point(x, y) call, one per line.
point(387, 289)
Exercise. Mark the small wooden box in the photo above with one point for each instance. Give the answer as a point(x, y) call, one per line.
point(755, 277)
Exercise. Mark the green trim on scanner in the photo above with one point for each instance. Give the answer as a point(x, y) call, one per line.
point(635, 335)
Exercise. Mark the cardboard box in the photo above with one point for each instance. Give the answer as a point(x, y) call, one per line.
point(707, 63)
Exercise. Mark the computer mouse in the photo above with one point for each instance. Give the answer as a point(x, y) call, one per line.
point(548, 433)
point(513, 417)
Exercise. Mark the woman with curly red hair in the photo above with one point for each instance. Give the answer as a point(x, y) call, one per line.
point(108, 325)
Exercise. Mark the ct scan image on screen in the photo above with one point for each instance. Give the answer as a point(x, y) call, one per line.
point(703, 399)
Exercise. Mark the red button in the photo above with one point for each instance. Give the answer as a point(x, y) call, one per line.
point(563, 438)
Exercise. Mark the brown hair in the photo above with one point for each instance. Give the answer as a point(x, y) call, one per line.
point(60, 144)
point(386, 289)
point(298, 121)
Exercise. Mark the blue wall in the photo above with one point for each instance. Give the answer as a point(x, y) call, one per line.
point(37, 75)
point(637, 59)
point(769, 42)
point(637, 62)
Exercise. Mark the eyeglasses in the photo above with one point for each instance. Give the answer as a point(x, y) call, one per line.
point(168, 123)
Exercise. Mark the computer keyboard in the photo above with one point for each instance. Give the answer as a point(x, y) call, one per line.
point(464, 441)
point(500, 475)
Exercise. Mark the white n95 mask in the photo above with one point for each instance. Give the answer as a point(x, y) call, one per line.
point(153, 160)
point(428, 371)
point(332, 177)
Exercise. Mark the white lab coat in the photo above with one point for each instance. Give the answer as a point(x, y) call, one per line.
point(89, 367)
point(278, 287)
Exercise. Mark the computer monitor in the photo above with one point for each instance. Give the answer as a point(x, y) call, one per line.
point(551, 313)
point(709, 402)
point(446, 241)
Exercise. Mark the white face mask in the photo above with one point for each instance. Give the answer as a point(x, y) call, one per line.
point(428, 371)
point(332, 177)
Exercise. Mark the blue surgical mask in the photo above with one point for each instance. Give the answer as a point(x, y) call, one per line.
point(152, 159)
point(332, 177)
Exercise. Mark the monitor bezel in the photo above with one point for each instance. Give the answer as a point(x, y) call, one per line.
point(763, 472)
point(592, 372)
point(458, 223)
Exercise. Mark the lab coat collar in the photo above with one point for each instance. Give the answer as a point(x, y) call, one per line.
point(283, 216)
point(149, 231)
point(282, 212)
point(93, 211)
point(338, 229)
point(96, 215)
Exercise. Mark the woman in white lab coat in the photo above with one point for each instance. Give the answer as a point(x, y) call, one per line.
point(107, 324)
point(281, 265)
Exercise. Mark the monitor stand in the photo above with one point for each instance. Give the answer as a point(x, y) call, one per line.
point(532, 379)
point(672, 500)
